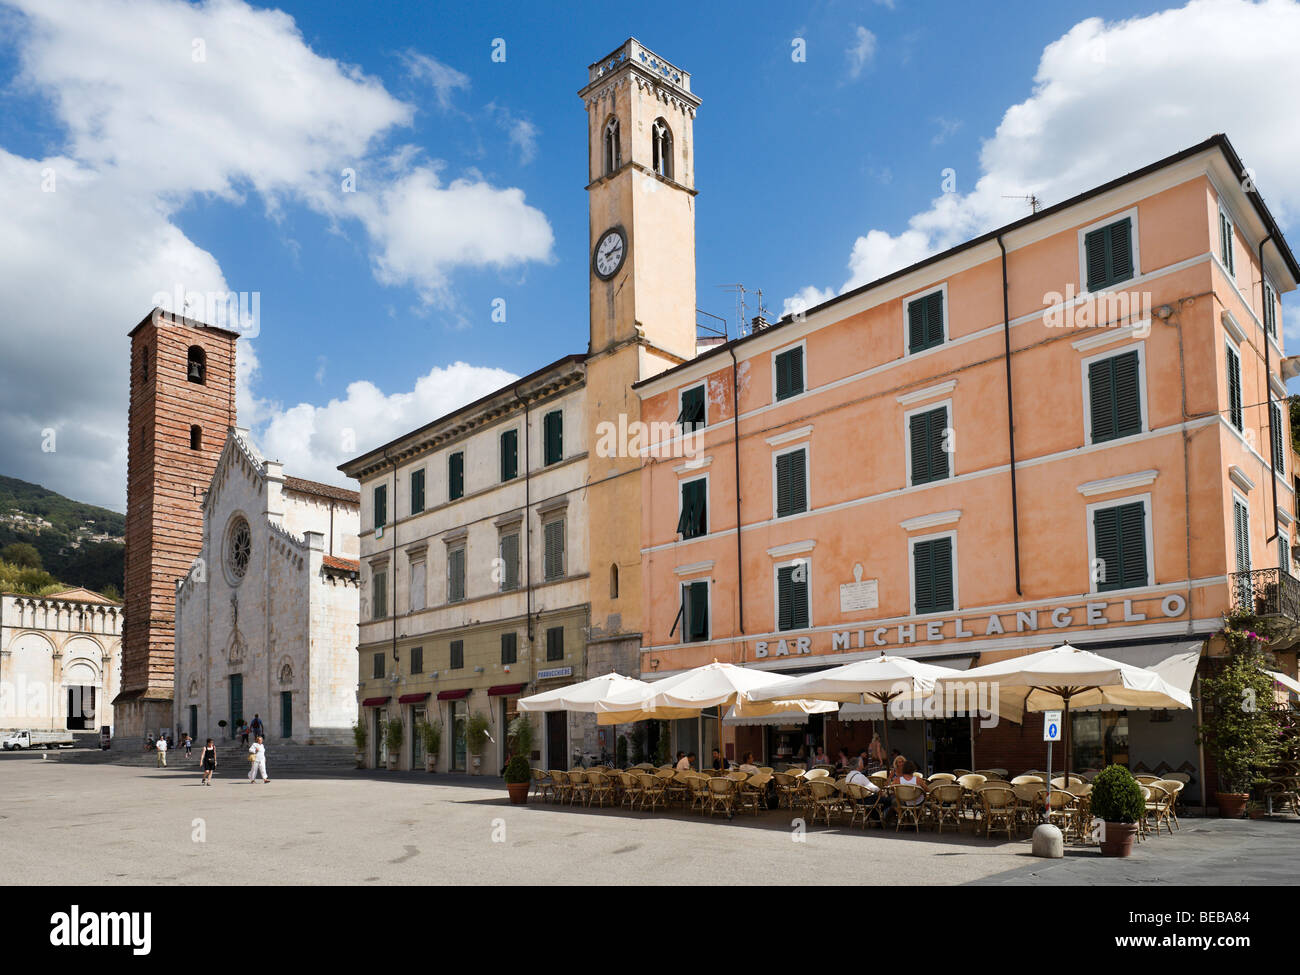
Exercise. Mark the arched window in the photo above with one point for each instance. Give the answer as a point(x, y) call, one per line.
point(613, 582)
point(613, 154)
point(196, 367)
point(196, 437)
point(662, 137)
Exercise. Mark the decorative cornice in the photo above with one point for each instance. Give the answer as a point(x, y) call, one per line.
point(693, 465)
point(1235, 331)
point(694, 568)
point(930, 521)
point(1123, 482)
point(790, 436)
point(930, 392)
point(1239, 478)
point(1106, 335)
point(792, 548)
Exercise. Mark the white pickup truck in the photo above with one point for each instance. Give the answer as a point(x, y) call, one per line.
point(19, 740)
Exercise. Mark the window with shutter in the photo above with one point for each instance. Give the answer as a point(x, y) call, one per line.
point(553, 550)
point(789, 373)
point(509, 455)
point(379, 598)
point(509, 547)
point(553, 437)
point(1270, 310)
point(695, 611)
point(455, 575)
point(1120, 546)
point(1241, 533)
point(381, 506)
point(417, 660)
point(417, 491)
point(509, 648)
point(1108, 254)
point(692, 415)
point(925, 328)
point(792, 482)
point(378, 670)
point(792, 610)
point(1278, 438)
point(694, 518)
point(1234, 389)
point(927, 439)
point(1114, 397)
point(555, 643)
point(457, 660)
point(456, 476)
point(1226, 244)
point(932, 575)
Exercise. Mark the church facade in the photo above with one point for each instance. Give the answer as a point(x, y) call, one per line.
point(266, 616)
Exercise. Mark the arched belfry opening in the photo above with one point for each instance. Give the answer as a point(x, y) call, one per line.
point(613, 153)
point(662, 147)
point(196, 365)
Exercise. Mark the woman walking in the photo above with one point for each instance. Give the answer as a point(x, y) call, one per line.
point(208, 761)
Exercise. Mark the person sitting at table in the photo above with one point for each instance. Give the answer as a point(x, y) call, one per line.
point(719, 763)
point(692, 760)
point(842, 760)
point(748, 765)
point(861, 763)
point(683, 763)
point(907, 776)
point(820, 758)
point(858, 777)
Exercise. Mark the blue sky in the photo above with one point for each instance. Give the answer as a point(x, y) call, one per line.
point(813, 176)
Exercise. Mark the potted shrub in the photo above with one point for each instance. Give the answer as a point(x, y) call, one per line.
point(359, 737)
point(476, 736)
point(393, 739)
point(518, 776)
point(432, 732)
point(520, 736)
point(1239, 725)
point(1117, 801)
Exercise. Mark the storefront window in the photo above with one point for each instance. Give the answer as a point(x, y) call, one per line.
point(458, 721)
point(1099, 738)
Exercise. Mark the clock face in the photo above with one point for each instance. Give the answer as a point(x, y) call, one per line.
point(611, 249)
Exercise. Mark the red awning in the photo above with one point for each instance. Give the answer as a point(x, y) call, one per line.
point(412, 698)
point(374, 702)
point(505, 690)
point(453, 695)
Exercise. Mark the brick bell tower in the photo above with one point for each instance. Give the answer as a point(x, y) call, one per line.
point(182, 403)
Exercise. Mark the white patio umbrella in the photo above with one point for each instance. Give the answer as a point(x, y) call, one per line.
point(1054, 679)
point(882, 679)
point(586, 696)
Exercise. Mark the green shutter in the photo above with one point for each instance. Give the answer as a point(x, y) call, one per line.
point(1108, 254)
point(1114, 397)
point(697, 611)
point(1241, 533)
point(792, 598)
point(456, 476)
point(381, 505)
point(509, 648)
point(1234, 389)
point(555, 643)
point(923, 576)
point(553, 539)
point(789, 373)
point(1105, 530)
point(1094, 246)
point(926, 435)
point(693, 520)
point(925, 322)
point(1120, 546)
point(1279, 453)
point(509, 455)
point(791, 483)
point(1120, 251)
point(692, 415)
point(932, 573)
point(1270, 310)
point(417, 491)
point(456, 575)
point(510, 558)
point(938, 437)
point(915, 326)
point(553, 437)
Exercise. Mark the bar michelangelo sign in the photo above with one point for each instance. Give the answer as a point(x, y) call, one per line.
point(1090, 614)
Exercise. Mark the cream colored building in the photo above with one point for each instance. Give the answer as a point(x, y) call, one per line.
point(266, 616)
point(60, 660)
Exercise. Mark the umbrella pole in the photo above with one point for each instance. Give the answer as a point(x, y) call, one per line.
point(1067, 741)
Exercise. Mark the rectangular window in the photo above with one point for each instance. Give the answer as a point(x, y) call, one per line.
point(694, 518)
point(1226, 248)
point(456, 475)
point(1241, 534)
point(1270, 310)
point(932, 575)
point(1114, 397)
point(417, 491)
point(455, 575)
point(509, 455)
point(789, 372)
point(381, 506)
point(286, 714)
point(692, 416)
point(925, 328)
point(1108, 254)
point(1234, 389)
point(1119, 546)
point(378, 666)
point(417, 582)
point(553, 437)
point(553, 550)
point(509, 549)
point(693, 615)
point(457, 661)
point(792, 482)
point(1279, 438)
point(379, 600)
point(927, 433)
point(417, 660)
point(509, 648)
point(792, 609)
point(555, 643)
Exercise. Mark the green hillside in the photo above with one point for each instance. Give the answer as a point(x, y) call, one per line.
point(68, 536)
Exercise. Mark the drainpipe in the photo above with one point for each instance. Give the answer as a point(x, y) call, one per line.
point(528, 534)
point(1268, 389)
point(1011, 426)
point(740, 565)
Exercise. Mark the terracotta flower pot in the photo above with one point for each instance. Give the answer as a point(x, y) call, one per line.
point(1117, 839)
point(1231, 804)
point(518, 792)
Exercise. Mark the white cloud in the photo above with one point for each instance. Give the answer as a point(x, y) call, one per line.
point(861, 51)
point(946, 127)
point(1111, 97)
point(313, 440)
point(521, 132)
point(444, 79)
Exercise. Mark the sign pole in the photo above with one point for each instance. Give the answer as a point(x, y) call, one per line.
point(1051, 732)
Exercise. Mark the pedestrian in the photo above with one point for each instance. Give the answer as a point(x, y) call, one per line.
point(257, 761)
point(257, 726)
point(189, 744)
point(243, 733)
point(162, 751)
point(208, 761)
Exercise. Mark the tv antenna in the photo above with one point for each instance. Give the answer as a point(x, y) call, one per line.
point(744, 322)
point(1032, 199)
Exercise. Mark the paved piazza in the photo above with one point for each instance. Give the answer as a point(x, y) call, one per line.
point(74, 824)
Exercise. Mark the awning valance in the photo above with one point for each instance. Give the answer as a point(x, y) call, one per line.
point(505, 690)
point(374, 702)
point(413, 698)
point(453, 695)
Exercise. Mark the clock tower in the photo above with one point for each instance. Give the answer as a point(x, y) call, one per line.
point(641, 224)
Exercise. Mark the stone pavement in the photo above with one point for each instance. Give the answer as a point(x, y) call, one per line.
point(64, 823)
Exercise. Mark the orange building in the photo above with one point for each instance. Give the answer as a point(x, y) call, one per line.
point(1070, 428)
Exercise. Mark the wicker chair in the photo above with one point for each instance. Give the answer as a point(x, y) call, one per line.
point(999, 802)
point(630, 795)
point(945, 802)
point(820, 772)
point(560, 787)
point(787, 789)
point(1061, 809)
point(580, 787)
point(992, 773)
point(943, 777)
point(1028, 779)
point(722, 795)
point(824, 798)
point(654, 791)
point(599, 791)
point(1029, 799)
point(752, 793)
point(1146, 778)
point(959, 772)
point(909, 802)
point(543, 787)
point(699, 791)
point(1060, 782)
point(1158, 806)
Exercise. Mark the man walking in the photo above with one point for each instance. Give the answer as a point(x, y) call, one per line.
point(257, 761)
point(162, 751)
point(257, 726)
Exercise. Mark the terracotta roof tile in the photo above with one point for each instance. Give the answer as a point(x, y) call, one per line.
point(342, 565)
point(303, 486)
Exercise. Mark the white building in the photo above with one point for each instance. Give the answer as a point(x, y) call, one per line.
point(60, 660)
point(266, 617)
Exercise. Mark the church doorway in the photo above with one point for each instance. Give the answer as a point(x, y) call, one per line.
point(81, 706)
point(236, 703)
point(557, 739)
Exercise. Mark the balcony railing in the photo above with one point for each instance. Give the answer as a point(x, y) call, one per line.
point(1266, 592)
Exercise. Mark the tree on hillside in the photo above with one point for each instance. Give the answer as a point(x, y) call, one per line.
point(21, 554)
